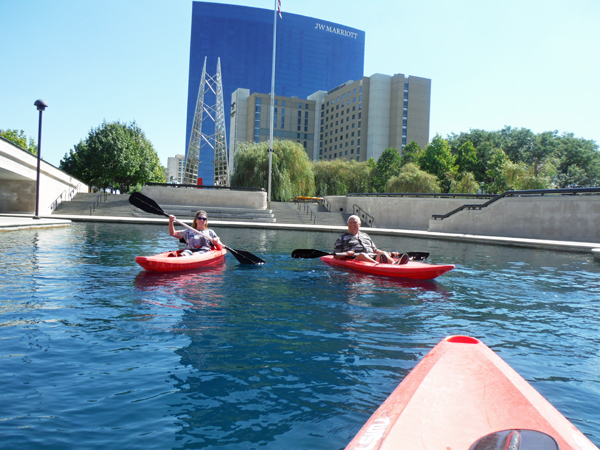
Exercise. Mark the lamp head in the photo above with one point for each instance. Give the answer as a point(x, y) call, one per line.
point(41, 105)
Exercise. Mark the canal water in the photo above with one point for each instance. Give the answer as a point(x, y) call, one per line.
point(97, 354)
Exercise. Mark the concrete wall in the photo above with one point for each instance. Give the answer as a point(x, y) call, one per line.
point(18, 173)
point(206, 197)
point(563, 218)
point(553, 217)
point(407, 213)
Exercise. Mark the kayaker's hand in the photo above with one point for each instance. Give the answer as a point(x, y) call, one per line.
point(171, 218)
point(350, 254)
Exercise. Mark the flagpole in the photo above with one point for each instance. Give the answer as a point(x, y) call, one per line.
point(272, 103)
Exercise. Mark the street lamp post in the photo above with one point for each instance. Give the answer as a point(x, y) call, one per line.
point(41, 106)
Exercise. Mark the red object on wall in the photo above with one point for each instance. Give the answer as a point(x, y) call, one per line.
point(199, 182)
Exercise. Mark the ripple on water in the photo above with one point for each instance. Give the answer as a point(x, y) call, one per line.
point(295, 354)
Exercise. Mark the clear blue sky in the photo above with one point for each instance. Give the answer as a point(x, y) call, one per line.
point(527, 63)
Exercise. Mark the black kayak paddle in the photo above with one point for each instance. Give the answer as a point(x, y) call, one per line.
point(148, 205)
point(309, 253)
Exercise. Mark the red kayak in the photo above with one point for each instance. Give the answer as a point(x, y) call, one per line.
point(171, 261)
point(413, 269)
point(462, 396)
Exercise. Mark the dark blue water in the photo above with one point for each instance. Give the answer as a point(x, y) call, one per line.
point(96, 353)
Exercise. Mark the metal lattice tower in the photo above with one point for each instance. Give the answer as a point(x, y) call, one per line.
point(216, 143)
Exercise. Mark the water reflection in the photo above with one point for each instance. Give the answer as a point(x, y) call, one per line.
point(371, 290)
point(293, 354)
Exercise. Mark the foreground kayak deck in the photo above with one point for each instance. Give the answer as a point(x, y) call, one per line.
point(413, 269)
point(457, 395)
point(165, 263)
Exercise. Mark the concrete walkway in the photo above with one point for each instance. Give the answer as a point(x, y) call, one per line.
point(20, 222)
point(10, 222)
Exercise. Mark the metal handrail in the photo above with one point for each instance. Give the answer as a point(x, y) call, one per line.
point(308, 209)
point(413, 194)
point(365, 218)
point(231, 188)
point(97, 200)
point(68, 195)
point(532, 192)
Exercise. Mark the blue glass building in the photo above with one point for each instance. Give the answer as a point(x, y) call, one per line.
point(311, 55)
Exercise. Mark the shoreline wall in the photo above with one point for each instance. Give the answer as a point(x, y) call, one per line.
point(554, 217)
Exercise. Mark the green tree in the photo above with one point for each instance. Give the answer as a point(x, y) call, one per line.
point(115, 155)
point(495, 182)
point(519, 176)
point(517, 143)
point(465, 183)
point(388, 165)
point(466, 159)
point(413, 180)
point(579, 162)
point(292, 171)
point(340, 177)
point(439, 161)
point(18, 137)
point(411, 153)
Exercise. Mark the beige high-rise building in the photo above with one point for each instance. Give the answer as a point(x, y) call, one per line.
point(356, 120)
point(175, 169)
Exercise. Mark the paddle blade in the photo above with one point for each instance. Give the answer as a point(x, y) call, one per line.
point(146, 204)
point(245, 257)
point(308, 253)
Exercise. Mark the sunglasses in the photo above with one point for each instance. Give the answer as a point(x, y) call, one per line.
point(200, 218)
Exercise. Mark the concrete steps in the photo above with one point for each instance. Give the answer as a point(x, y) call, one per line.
point(119, 206)
point(288, 212)
point(281, 212)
